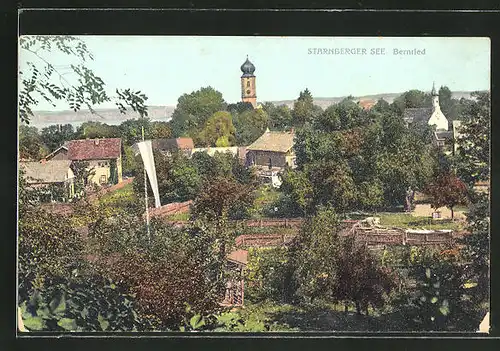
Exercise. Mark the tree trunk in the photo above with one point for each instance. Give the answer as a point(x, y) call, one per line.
point(358, 307)
point(451, 208)
point(346, 308)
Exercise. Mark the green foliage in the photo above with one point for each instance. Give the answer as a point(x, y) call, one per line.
point(83, 172)
point(129, 161)
point(442, 299)
point(55, 135)
point(304, 110)
point(131, 130)
point(31, 145)
point(82, 304)
point(39, 78)
point(280, 117)
point(193, 110)
point(250, 125)
point(178, 178)
point(411, 99)
point(474, 144)
point(95, 130)
point(217, 131)
point(265, 274)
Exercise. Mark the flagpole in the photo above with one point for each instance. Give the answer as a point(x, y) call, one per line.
point(146, 195)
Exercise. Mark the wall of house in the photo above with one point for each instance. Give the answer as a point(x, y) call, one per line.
point(102, 171)
point(119, 169)
point(261, 158)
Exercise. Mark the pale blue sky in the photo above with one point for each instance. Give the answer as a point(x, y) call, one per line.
point(166, 67)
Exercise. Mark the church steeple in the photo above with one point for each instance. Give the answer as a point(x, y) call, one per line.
point(248, 89)
point(433, 91)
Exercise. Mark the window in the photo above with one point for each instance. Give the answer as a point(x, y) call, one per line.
point(270, 163)
point(248, 84)
point(103, 179)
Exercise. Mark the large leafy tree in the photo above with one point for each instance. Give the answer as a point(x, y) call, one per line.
point(474, 142)
point(280, 117)
point(218, 130)
point(55, 135)
point(31, 145)
point(194, 109)
point(411, 99)
point(447, 190)
point(250, 125)
point(304, 109)
point(78, 85)
point(94, 129)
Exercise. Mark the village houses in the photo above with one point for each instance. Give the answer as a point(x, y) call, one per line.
point(103, 157)
point(54, 178)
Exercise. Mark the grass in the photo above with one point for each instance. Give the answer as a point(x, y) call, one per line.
point(119, 197)
point(404, 220)
point(319, 316)
point(178, 217)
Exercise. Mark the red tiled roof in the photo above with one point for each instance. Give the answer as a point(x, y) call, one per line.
point(94, 149)
point(185, 143)
point(367, 104)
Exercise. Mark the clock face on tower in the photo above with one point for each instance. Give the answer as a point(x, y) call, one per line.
point(248, 91)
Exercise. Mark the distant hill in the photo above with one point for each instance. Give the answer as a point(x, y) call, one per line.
point(324, 102)
point(163, 113)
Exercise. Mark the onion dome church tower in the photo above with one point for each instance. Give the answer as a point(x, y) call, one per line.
point(248, 91)
point(437, 117)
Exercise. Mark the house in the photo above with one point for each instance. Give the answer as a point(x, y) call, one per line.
point(271, 153)
point(55, 176)
point(367, 104)
point(432, 115)
point(168, 146)
point(443, 139)
point(103, 156)
point(61, 153)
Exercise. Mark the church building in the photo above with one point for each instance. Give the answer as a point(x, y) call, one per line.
point(248, 89)
point(432, 116)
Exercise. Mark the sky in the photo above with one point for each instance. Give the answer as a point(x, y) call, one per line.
point(166, 67)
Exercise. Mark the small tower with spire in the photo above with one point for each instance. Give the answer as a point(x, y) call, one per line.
point(248, 89)
point(437, 117)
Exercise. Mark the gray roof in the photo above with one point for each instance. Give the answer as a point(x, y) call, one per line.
point(273, 141)
point(421, 114)
point(52, 171)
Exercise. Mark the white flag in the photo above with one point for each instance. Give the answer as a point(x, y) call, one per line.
point(146, 151)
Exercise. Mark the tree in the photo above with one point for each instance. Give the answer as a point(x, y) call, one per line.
point(31, 145)
point(304, 109)
point(280, 117)
point(160, 130)
point(239, 107)
point(474, 142)
point(250, 125)
point(219, 198)
point(218, 129)
point(129, 161)
point(83, 172)
point(447, 190)
point(131, 130)
point(411, 99)
point(55, 135)
point(40, 79)
point(94, 130)
point(312, 256)
point(450, 107)
point(358, 277)
point(193, 110)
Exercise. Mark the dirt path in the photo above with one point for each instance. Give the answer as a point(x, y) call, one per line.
point(425, 210)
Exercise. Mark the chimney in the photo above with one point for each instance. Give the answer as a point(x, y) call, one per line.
point(292, 131)
point(43, 161)
point(96, 141)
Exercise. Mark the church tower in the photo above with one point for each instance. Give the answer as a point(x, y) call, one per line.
point(248, 91)
point(437, 117)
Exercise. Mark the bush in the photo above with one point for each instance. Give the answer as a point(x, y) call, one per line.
point(265, 274)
